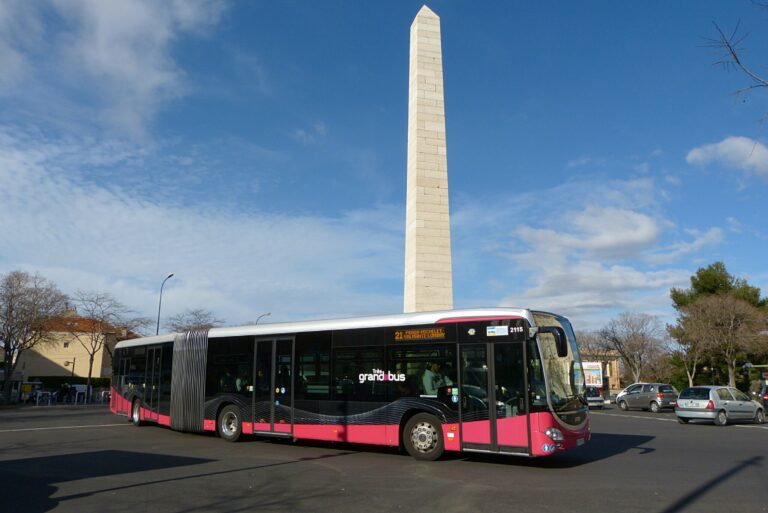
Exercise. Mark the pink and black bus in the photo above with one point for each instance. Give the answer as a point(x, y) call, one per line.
point(497, 380)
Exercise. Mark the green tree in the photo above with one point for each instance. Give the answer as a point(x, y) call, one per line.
point(729, 327)
point(704, 333)
point(715, 279)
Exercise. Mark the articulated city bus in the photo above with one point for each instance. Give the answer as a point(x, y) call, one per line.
point(497, 380)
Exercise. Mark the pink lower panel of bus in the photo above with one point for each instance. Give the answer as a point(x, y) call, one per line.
point(509, 431)
point(118, 403)
point(360, 434)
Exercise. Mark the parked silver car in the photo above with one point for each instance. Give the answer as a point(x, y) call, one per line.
point(647, 396)
point(718, 404)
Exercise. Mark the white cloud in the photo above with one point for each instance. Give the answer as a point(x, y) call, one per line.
point(87, 236)
point(311, 135)
point(711, 237)
point(601, 231)
point(598, 257)
point(20, 32)
point(579, 162)
point(115, 54)
point(740, 153)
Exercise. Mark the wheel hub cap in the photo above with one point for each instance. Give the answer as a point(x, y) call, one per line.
point(229, 423)
point(424, 437)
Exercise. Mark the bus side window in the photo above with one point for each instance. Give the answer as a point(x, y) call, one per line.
point(414, 361)
point(353, 374)
point(313, 367)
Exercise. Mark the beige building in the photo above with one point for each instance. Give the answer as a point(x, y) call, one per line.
point(66, 353)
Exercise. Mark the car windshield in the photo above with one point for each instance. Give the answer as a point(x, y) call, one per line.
point(593, 392)
point(668, 389)
point(563, 374)
point(695, 393)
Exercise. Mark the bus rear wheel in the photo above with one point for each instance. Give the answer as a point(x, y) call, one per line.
point(230, 424)
point(423, 437)
point(136, 412)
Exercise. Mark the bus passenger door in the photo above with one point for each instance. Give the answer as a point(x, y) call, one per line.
point(273, 386)
point(152, 382)
point(492, 406)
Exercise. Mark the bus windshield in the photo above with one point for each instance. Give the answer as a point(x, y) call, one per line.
point(564, 375)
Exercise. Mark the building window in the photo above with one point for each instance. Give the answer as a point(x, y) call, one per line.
point(66, 345)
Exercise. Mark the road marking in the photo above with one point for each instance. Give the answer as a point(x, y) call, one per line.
point(748, 426)
point(631, 416)
point(751, 427)
point(61, 427)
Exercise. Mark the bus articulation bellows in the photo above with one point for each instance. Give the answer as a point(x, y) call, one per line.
point(498, 380)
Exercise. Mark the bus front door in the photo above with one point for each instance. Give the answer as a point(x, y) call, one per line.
point(492, 407)
point(152, 382)
point(273, 386)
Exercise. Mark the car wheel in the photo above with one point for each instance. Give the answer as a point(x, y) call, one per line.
point(759, 417)
point(423, 437)
point(229, 424)
point(623, 405)
point(682, 420)
point(721, 419)
point(136, 413)
point(655, 407)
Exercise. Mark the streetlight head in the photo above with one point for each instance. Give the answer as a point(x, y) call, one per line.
point(170, 276)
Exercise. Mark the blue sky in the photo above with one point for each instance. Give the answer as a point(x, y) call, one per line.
point(596, 155)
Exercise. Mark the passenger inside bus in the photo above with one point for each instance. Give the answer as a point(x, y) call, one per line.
point(434, 379)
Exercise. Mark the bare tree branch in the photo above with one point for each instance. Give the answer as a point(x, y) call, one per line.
point(100, 323)
point(637, 338)
point(190, 320)
point(28, 303)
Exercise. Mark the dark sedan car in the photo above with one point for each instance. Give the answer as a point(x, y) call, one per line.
point(594, 398)
point(762, 396)
point(647, 396)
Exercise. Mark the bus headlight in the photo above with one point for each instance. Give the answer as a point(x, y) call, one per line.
point(555, 434)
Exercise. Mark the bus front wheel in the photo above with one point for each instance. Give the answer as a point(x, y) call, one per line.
point(230, 424)
point(423, 437)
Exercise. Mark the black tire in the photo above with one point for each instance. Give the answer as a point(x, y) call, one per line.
point(655, 407)
point(135, 417)
point(423, 437)
point(623, 406)
point(229, 424)
point(721, 419)
point(759, 416)
point(682, 420)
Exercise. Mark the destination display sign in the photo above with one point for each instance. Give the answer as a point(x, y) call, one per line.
point(420, 334)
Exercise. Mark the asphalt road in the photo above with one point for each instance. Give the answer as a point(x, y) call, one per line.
point(82, 460)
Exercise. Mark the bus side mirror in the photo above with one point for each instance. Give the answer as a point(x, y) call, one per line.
point(561, 341)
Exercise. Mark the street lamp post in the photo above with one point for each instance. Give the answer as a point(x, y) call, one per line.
point(72, 363)
point(260, 316)
point(160, 303)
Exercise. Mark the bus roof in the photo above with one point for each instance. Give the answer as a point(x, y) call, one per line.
point(379, 321)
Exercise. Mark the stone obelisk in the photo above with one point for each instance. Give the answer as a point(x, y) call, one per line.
point(428, 274)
